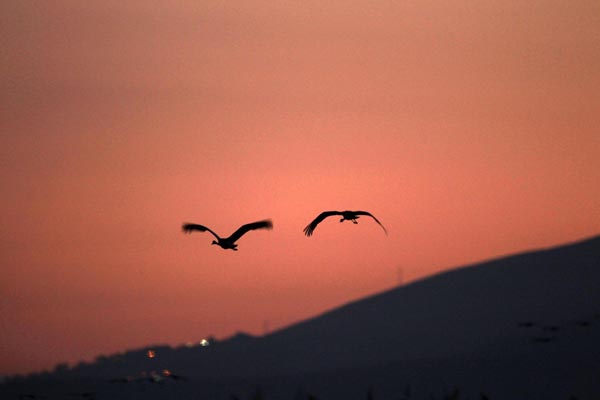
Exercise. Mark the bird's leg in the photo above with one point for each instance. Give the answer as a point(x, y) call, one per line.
point(354, 221)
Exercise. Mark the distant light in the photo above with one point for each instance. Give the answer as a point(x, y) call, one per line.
point(204, 343)
point(166, 372)
point(189, 344)
point(151, 354)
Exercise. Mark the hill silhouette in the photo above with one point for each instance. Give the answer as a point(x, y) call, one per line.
point(522, 325)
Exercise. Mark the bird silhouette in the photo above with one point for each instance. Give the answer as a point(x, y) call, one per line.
point(542, 339)
point(229, 242)
point(525, 324)
point(346, 216)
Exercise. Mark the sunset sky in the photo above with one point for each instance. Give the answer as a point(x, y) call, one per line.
point(470, 129)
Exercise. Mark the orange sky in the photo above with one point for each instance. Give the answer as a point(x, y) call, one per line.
point(470, 129)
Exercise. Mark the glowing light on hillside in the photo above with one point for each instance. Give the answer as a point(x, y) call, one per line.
point(151, 353)
point(166, 372)
point(204, 343)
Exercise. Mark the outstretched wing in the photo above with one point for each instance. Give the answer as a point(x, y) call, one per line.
point(308, 231)
point(266, 224)
point(372, 216)
point(189, 228)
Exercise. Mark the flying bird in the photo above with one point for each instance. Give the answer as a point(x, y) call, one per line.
point(346, 216)
point(229, 242)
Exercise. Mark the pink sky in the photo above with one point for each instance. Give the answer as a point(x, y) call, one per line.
point(470, 129)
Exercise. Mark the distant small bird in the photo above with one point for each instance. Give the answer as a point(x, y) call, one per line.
point(583, 324)
point(542, 339)
point(550, 328)
point(525, 324)
point(229, 242)
point(346, 216)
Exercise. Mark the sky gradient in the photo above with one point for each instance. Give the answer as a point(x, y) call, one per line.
point(469, 129)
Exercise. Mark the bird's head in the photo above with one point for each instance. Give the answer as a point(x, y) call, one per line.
point(214, 242)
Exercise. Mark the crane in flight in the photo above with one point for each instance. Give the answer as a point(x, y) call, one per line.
point(229, 242)
point(346, 216)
